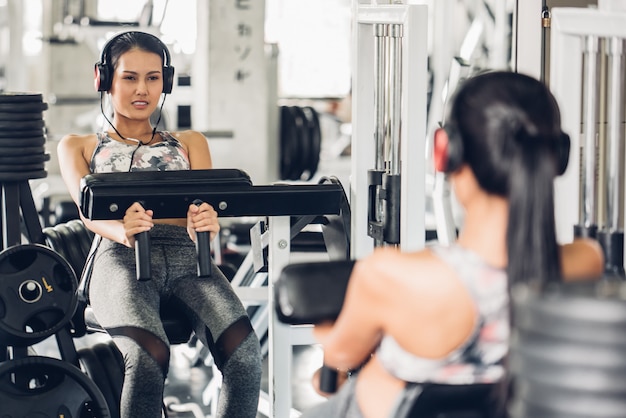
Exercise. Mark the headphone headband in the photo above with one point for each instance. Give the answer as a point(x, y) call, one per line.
point(103, 69)
point(455, 150)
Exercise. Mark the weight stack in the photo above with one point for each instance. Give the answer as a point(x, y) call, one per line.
point(22, 137)
point(567, 351)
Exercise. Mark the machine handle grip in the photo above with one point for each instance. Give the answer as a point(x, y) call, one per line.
point(142, 256)
point(203, 248)
point(328, 379)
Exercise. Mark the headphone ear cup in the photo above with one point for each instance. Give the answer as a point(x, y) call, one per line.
point(102, 77)
point(455, 151)
point(563, 153)
point(168, 79)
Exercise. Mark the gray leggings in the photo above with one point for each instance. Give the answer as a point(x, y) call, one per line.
point(129, 310)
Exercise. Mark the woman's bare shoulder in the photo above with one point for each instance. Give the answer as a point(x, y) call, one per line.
point(75, 140)
point(188, 135)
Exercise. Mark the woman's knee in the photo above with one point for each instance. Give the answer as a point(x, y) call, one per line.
point(142, 349)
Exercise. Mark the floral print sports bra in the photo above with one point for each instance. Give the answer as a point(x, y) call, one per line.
point(115, 156)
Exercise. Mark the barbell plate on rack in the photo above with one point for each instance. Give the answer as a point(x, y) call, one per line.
point(20, 97)
point(21, 151)
point(25, 175)
point(94, 368)
point(13, 116)
point(315, 137)
point(30, 107)
point(9, 168)
point(34, 141)
point(48, 387)
point(304, 144)
point(37, 294)
point(21, 134)
point(25, 159)
point(21, 125)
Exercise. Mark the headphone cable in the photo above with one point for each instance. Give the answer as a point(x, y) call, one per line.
point(154, 129)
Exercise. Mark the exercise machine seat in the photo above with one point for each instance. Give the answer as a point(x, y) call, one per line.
point(312, 292)
point(72, 240)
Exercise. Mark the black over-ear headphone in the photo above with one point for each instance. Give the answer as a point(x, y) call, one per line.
point(455, 150)
point(104, 69)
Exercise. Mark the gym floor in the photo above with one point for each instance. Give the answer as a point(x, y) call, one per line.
point(188, 378)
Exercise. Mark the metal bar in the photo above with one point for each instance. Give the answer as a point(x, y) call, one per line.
point(615, 135)
point(589, 216)
point(380, 58)
point(395, 96)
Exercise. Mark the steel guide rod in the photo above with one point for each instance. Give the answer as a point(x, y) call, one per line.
point(589, 202)
point(615, 135)
point(395, 96)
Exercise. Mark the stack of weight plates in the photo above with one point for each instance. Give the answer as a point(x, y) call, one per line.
point(22, 137)
point(568, 351)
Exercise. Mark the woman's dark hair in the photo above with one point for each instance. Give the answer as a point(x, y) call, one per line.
point(134, 40)
point(510, 128)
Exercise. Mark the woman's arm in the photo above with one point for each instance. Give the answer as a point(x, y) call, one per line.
point(73, 161)
point(201, 218)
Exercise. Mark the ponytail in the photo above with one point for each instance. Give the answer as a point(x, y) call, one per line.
point(533, 252)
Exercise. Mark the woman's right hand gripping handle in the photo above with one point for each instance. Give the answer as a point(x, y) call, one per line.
point(137, 224)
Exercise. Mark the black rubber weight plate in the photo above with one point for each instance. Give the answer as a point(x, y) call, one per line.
point(8, 116)
point(18, 151)
point(23, 107)
point(25, 159)
point(20, 97)
point(21, 167)
point(26, 175)
point(34, 141)
point(24, 125)
point(21, 134)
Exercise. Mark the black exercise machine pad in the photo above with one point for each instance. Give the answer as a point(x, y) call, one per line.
point(310, 293)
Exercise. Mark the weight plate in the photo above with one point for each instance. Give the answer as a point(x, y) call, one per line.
point(113, 363)
point(575, 403)
point(575, 313)
point(92, 366)
point(21, 125)
point(524, 409)
point(30, 107)
point(25, 159)
point(290, 158)
point(19, 151)
point(35, 141)
point(37, 294)
point(26, 175)
point(21, 134)
point(564, 353)
point(13, 116)
point(4, 168)
point(48, 387)
point(315, 137)
point(304, 144)
point(580, 378)
point(20, 97)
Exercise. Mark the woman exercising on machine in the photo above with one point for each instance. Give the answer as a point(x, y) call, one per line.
point(441, 315)
point(135, 71)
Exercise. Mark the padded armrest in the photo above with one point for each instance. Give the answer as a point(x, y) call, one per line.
point(309, 293)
